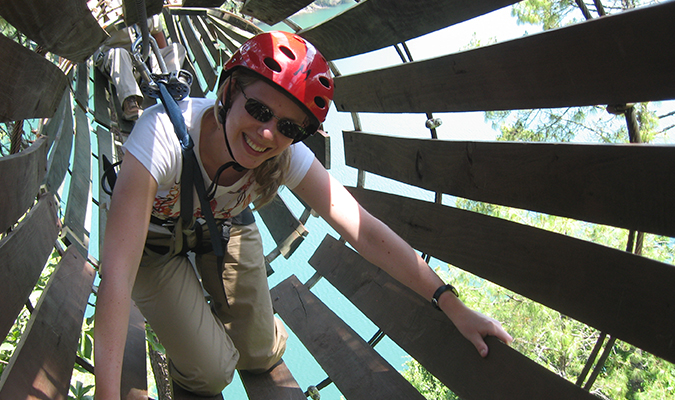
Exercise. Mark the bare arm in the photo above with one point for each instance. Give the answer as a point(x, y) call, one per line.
point(381, 246)
point(125, 235)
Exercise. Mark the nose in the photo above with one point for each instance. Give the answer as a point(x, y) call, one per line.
point(268, 129)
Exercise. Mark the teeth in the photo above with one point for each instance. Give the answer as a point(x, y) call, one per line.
point(254, 146)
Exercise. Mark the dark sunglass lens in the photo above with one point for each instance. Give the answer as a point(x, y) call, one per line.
point(258, 110)
point(291, 130)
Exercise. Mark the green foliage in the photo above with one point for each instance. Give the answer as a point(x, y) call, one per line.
point(80, 392)
point(549, 14)
point(12, 339)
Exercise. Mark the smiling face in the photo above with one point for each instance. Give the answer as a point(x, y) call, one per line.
point(252, 141)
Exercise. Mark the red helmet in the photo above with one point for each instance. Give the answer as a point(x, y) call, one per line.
point(292, 63)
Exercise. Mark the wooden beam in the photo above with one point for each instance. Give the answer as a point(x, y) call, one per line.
point(284, 227)
point(24, 252)
point(101, 99)
point(234, 20)
point(59, 155)
point(79, 194)
point(206, 38)
point(629, 186)
point(357, 370)
point(319, 143)
point(234, 31)
point(205, 66)
point(430, 338)
point(20, 178)
point(272, 12)
point(571, 66)
point(43, 361)
point(203, 3)
point(374, 24)
point(66, 27)
point(31, 86)
point(625, 295)
point(277, 384)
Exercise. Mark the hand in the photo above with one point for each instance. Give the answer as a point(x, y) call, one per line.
point(475, 326)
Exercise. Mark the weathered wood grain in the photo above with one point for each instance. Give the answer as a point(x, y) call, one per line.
point(319, 143)
point(205, 66)
point(273, 11)
point(206, 38)
point(79, 194)
point(75, 34)
point(32, 86)
point(277, 384)
point(134, 366)
point(571, 66)
point(234, 20)
point(355, 367)
point(628, 296)
point(285, 228)
point(101, 99)
point(20, 178)
point(61, 146)
point(24, 252)
point(430, 338)
point(42, 364)
point(625, 185)
point(374, 24)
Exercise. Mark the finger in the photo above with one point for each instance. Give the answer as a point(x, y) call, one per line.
point(480, 345)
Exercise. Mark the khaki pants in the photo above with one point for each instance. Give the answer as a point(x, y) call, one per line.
point(204, 350)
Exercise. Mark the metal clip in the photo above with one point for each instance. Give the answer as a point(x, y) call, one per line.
point(433, 123)
point(178, 84)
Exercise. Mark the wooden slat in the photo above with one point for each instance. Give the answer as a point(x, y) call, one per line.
point(627, 296)
point(79, 194)
point(277, 384)
point(52, 127)
point(20, 178)
point(357, 370)
point(222, 37)
point(66, 27)
point(43, 362)
point(429, 336)
point(234, 31)
point(101, 99)
point(134, 376)
point(170, 26)
point(272, 12)
point(572, 66)
point(284, 227)
point(181, 394)
point(205, 66)
point(234, 20)
point(629, 186)
point(24, 252)
point(203, 3)
point(59, 155)
point(375, 24)
point(319, 143)
point(206, 39)
point(31, 86)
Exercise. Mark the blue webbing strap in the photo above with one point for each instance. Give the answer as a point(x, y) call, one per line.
point(191, 177)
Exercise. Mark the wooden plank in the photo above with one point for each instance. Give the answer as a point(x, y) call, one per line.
point(627, 185)
point(357, 370)
point(181, 394)
point(170, 26)
point(222, 36)
point(374, 24)
point(59, 155)
point(101, 99)
point(20, 178)
point(234, 20)
point(75, 34)
point(43, 361)
point(319, 143)
point(203, 3)
point(233, 31)
point(628, 296)
point(51, 127)
point(429, 336)
point(206, 38)
point(571, 66)
point(205, 66)
point(24, 252)
point(286, 230)
point(134, 375)
point(272, 12)
point(32, 86)
point(277, 384)
point(79, 194)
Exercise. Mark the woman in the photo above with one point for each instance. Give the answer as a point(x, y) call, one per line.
point(275, 91)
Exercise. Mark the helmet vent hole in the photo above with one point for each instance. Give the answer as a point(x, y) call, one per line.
point(320, 102)
point(324, 81)
point(287, 52)
point(272, 64)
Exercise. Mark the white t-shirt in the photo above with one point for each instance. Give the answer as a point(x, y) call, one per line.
point(154, 143)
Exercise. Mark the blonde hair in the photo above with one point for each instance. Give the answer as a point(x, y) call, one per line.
point(271, 173)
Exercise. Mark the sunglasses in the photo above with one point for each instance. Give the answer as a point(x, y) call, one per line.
point(286, 127)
